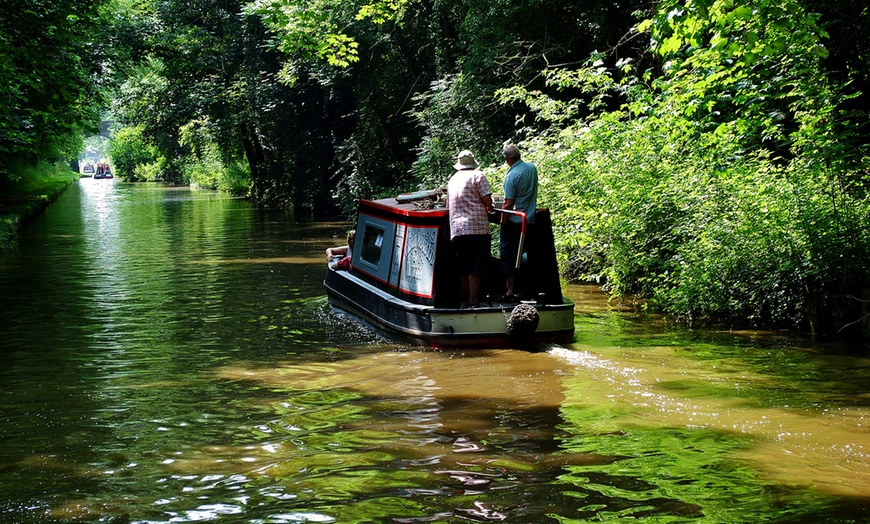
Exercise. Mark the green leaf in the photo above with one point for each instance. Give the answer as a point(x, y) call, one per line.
point(742, 13)
point(644, 26)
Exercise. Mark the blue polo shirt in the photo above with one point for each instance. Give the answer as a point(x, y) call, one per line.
point(521, 185)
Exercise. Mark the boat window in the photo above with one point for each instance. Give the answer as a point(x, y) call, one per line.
point(373, 241)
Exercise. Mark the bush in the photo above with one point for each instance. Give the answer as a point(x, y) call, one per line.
point(130, 150)
point(150, 172)
point(734, 216)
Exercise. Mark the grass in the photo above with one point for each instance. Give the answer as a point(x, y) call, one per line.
point(30, 191)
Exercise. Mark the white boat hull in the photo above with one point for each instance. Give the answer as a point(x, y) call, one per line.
point(486, 326)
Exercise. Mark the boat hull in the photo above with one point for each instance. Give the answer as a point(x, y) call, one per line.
point(438, 327)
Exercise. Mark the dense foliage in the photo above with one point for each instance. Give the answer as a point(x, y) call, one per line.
point(328, 101)
point(50, 79)
point(730, 186)
point(710, 155)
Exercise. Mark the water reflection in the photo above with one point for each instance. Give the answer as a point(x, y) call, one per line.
point(450, 429)
point(825, 448)
point(169, 356)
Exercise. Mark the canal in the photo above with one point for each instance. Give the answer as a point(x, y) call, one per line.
point(168, 355)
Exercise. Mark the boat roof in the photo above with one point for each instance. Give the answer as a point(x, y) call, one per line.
point(413, 208)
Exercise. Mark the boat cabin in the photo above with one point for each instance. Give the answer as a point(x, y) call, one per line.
point(405, 250)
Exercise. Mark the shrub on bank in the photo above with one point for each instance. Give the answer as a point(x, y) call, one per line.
point(732, 187)
point(134, 158)
point(705, 231)
point(28, 191)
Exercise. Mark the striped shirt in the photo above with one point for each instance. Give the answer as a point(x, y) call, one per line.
point(465, 193)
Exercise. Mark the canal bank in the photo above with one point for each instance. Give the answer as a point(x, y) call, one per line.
point(22, 200)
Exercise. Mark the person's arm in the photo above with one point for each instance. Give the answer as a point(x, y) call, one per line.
point(333, 252)
point(487, 203)
point(510, 194)
point(508, 204)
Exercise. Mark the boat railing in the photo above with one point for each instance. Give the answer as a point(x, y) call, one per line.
point(522, 215)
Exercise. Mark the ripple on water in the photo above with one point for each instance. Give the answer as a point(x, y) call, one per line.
point(169, 356)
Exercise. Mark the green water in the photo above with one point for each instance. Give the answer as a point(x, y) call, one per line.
point(169, 356)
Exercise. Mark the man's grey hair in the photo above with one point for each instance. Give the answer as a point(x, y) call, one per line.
point(511, 151)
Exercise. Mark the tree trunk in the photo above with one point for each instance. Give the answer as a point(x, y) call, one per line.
point(254, 154)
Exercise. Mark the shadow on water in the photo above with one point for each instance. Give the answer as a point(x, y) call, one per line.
point(169, 356)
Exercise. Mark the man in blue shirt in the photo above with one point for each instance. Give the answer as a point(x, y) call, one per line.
point(520, 194)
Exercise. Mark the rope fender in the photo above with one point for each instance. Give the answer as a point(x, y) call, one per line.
point(523, 322)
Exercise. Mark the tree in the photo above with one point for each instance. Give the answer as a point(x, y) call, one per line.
point(132, 156)
point(47, 74)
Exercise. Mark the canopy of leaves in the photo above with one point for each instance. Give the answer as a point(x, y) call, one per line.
point(49, 73)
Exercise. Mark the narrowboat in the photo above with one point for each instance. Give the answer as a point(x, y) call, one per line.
point(403, 280)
